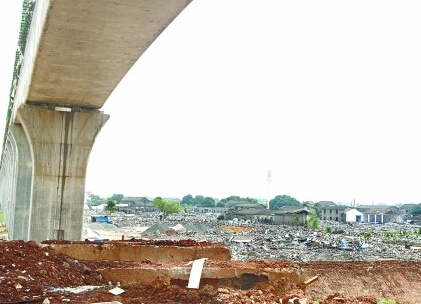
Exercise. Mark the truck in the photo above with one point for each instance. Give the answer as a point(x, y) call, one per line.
point(101, 219)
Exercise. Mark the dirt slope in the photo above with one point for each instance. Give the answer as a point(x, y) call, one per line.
point(398, 280)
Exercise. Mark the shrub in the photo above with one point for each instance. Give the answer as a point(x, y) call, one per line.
point(313, 221)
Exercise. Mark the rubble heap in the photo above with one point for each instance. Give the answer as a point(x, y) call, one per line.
point(29, 271)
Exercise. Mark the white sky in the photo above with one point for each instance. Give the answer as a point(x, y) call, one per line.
point(322, 93)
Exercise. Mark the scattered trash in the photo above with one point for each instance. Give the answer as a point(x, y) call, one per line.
point(116, 291)
point(76, 290)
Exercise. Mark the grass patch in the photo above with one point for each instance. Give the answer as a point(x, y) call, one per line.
point(1, 218)
point(365, 235)
point(387, 301)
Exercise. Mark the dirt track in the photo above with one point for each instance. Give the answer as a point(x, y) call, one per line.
point(28, 271)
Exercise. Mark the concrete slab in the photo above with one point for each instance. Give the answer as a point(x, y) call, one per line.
point(226, 274)
point(135, 251)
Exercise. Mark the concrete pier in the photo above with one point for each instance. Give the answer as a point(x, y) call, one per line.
point(16, 188)
point(51, 206)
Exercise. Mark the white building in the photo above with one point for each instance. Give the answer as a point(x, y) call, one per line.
point(100, 207)
point(353, 215)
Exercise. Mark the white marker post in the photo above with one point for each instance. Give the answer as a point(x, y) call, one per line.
point(196, 273)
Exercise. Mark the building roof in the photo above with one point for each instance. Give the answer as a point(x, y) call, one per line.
point(244, 204)
point(378, 209)
point(326, 203)
point(353, 210)
point(336, 207)
point(253, 211)
point(292, 211)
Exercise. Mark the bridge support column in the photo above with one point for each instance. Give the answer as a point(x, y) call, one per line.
point(60, 144)
point(16, 182)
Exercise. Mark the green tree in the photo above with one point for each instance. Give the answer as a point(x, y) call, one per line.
point(187, 200)
point(283, 200)
point(117, 197)
point(313, 221)
point(416, 210)
point(198, 199)
point(231, 198)
point(239, 199)
point(95, 200)
point(208, 202)
point(167, 207)
point(220, 204)
point(110, 206)
point(318, 210)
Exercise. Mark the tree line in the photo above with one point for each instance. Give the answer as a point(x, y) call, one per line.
point(202, 201)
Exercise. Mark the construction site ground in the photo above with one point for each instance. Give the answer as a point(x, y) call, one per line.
point(29, 272)
point(247, 263)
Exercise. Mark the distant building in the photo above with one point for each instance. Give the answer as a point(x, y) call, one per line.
point(297, 216)
point(334, 213)
point(380, 214)
point(238, 205)
point(136, 205)
point(293, 216)
point(215, 210)
point(99, 207)
point(353, 216)
point(253, 213)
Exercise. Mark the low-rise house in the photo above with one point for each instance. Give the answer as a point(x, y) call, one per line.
point(254, 213)
point(353, 216)
point(137, 205)
point(238, 205)
point(334, 213)
point(289, 215)
point(380, 214)
point(293, 216)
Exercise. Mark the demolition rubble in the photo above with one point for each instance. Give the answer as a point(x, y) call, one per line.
point(248, 240)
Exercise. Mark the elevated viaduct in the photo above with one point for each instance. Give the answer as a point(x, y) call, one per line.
point(71, 56)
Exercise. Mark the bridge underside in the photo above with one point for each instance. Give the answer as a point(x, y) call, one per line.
point(76, 54)
point(84, 48)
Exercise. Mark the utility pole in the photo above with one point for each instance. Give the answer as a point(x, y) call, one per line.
point(269, 178)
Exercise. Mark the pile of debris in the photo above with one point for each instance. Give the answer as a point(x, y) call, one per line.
point(250, 240)
point(28, 271)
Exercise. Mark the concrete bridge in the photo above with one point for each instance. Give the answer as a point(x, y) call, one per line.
point(71, 56)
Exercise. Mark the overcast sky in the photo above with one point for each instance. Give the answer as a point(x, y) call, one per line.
point(325, 94)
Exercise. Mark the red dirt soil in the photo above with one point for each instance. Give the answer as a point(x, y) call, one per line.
point(399, 280)
point(28, 271)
